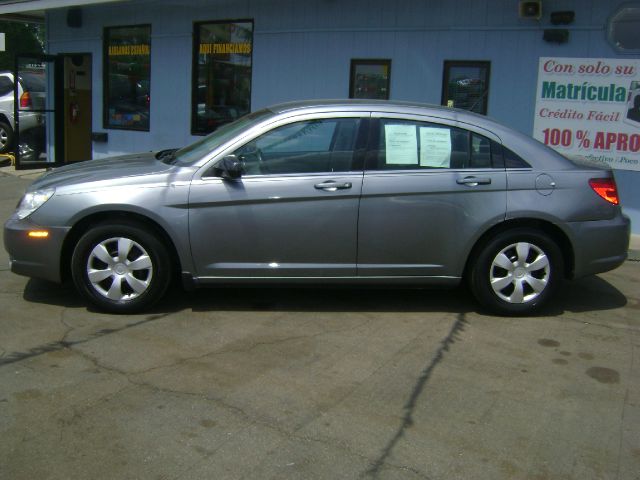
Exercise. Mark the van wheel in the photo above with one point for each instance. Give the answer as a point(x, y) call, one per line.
point(517, 272)
point(121, 268)
point(6, 137)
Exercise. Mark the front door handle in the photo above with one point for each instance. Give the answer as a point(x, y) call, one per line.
point(474, 181)
point(331, 186)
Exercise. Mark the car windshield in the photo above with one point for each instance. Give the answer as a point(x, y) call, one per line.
point(194, 152)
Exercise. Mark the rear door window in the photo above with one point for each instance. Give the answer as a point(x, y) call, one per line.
point(412, 145)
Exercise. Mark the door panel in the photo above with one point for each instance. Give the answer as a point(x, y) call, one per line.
point(77, 107)
point(271, 227)
point(421, 223)
point(429, 189)
point(294, 212)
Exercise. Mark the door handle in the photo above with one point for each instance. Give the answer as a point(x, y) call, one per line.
point(331, 186)
point(474, 181)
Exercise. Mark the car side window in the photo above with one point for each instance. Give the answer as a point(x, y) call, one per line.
point(312, 146)
point(513, 160)
point(6, 85)
point(410, 145)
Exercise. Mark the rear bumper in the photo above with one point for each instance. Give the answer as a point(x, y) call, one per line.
point(34, 257)
point(600, 246)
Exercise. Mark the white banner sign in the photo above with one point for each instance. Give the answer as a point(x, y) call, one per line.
point(589, 109)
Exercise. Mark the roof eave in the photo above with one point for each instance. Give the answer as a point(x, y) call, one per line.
point(39, 6)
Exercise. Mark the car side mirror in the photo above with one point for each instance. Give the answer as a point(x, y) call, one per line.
point(230, 167)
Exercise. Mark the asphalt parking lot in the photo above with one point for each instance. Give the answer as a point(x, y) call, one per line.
point(318, 384)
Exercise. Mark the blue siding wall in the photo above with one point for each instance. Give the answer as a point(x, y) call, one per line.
point(302, 49)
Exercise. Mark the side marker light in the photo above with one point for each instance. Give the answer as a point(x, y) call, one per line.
point(38, 234)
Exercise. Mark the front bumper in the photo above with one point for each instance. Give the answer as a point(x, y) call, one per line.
point(34, 257)
point(600, 246)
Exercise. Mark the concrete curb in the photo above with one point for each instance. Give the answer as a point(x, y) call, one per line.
point(9, 170)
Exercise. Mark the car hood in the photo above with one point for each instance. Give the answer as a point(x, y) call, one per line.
point(106, 169)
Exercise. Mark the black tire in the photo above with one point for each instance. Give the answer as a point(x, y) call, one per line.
point(6, 137)
point(130, 285)
point(520, 288)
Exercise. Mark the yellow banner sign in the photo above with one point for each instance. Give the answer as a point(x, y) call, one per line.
point(122, 50)
point(218, 48)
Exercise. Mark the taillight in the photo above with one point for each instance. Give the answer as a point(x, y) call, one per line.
point(606, 188)
point(25, 100)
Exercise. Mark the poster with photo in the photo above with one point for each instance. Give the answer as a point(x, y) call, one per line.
point(589, 109)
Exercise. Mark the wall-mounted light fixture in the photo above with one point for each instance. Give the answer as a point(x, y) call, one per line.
point(556, 35)
point(531, 9)
point(562, 18)
point(74, 17)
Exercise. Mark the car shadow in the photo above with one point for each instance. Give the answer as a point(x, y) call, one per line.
point(587, 294)
point(583, 295)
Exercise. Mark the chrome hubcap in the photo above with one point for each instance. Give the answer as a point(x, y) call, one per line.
point(119, 269)
point(519, 273)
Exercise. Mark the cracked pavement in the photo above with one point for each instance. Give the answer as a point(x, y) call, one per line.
point(318, 384)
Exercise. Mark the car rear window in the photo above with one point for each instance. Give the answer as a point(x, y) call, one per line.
point(33, 82)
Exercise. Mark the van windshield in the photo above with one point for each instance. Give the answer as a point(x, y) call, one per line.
point(194, 152)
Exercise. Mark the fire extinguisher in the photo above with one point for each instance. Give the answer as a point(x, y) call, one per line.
point(74, 112)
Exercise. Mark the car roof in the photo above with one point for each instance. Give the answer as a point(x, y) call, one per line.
point(400, 107)
point(357, 104)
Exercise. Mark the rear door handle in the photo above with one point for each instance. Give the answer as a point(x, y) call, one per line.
point(331, 186)
point(474, 181)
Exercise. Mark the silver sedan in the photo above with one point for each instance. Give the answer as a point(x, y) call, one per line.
point(326, 192)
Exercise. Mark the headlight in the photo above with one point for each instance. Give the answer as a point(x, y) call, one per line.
point(32, 201)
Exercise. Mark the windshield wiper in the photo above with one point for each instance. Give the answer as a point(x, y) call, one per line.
point(167, 156)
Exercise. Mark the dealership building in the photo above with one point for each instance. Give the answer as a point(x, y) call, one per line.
point(140, 75)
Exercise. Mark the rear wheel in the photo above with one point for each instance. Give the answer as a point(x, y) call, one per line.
point(517, 272)
point(121, 268)
point(6, 137)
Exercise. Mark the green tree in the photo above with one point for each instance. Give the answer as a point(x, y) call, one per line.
point(20, 38)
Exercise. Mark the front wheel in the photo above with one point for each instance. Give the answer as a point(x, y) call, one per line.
point(121, 268)
point(516, 272)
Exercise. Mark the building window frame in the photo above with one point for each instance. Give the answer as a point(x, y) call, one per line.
point(194, 67)
point(106, 83)
point(446, 75)
point(357, 62)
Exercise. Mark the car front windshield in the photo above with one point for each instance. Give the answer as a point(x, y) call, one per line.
point(194, 152)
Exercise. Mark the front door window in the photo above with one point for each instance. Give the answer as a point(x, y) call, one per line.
point(312, 146)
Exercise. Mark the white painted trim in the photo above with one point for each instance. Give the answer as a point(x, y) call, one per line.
point(23, 6)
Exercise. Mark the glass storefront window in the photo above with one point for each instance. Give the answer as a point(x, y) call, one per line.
point(370, 79)
point(127, 77)
point(466, 85)
point(221, 74)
